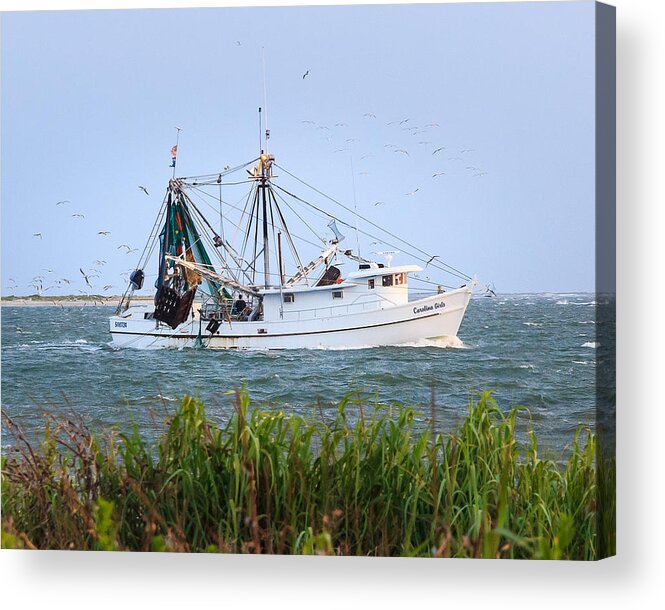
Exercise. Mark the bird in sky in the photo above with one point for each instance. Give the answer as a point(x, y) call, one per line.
point(123, 246)
point(466, 150)
point(103, 232)
point(432, 125)
point(401, 150)
point(323, 127)
point(37, 235)
point(424, 142)
point(430, 260)
point(351, 140)
point(341, 125)
point(65, 280)
point(238, 43)
point(78, 216)
point(404, 121)
point(369, 115)
point(108, 287)
point(132, 250)
point(145, 190)
point(366, 156)
point(390, 146)
point(308, 122)
point(471, 167)
point(439, 150)
point(62, 202)
point(85, 277)
point(412, 192)
point(99, 263)
point(379, 203)
point(438, 174)
point(306, 74)
point(480, 175)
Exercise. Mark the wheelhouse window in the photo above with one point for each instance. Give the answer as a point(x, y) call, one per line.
point(289, 297)
point(370, 284)
point(400, 279)
point(387, 280)
point(338, 294)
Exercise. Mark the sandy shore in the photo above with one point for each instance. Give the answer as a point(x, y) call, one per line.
point(71, 302)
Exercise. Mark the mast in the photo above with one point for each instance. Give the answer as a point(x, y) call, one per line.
point(266, 251)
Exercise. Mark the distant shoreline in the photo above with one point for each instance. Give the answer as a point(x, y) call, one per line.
point(69, 301)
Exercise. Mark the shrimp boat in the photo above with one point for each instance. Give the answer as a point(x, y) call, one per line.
point(259, 294)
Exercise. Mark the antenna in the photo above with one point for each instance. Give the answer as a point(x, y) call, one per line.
point(265, 95)
point(355, 204)
point(260, 131)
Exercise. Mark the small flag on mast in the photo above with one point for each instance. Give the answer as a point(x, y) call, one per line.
point(174, 152)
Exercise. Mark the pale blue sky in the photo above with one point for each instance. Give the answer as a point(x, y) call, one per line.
point(90, 99)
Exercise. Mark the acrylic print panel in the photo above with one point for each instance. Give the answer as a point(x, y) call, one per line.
point(310, 289)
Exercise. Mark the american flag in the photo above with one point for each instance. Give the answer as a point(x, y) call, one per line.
point(174, 151)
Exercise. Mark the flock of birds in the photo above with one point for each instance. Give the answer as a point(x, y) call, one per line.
point(47, 281)
point(450, 160)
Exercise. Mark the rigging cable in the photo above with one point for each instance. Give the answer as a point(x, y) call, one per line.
point(450, 268)
point(455, 273)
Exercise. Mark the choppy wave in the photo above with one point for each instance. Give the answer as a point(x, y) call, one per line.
point(80, 344)
point(567, 302)
point(591, 344)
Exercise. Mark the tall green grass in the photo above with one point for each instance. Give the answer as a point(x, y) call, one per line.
point(370, 481)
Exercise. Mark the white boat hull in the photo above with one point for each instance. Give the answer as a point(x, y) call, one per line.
point(433, 318)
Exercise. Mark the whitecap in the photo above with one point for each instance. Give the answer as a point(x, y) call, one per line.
point(532, 323)
point(591, 344)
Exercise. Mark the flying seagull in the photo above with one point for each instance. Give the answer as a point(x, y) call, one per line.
point(430, 260)
point(438, 174)
point(37, 235)
point(78, 216)
point(369, 115)
point(466, 150)
point(63, 202)
point(123, 246)
point(145, 190)
point(412, 192)
point(439, 150)
point(304, 75)
point(103, 232)
point(85, 277)
point(379, 203)
point(401, 150)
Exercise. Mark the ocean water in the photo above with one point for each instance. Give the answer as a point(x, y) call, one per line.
point(537, 351)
